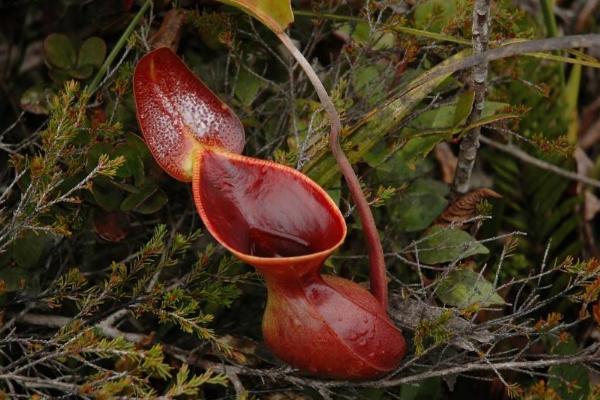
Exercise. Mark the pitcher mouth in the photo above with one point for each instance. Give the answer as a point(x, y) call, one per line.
point(263, 212)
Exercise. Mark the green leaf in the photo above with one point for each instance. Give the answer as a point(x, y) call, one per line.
point(547, 7)
point(106, 194)
point(94, 154)
point(443, 245)
point(421, 186)
point(572, 94)
point(385, 119)
point(431, 35)
point(370, 83)
point(335, 194)
point(441, 117)
point(36, 100)
point(92, 52)
point(429, 389)
point(463, 107)
point(82, 72)
point(363, 34)
point(153, 203)
point(463, 287)
point(247, 87)
point(29, 248)
point(59, 76)
point(435, 15)
point(144, 192)
point(59, 51)
point(569, 60)
point(417, 212)
point(573, 374)
point(417, 148)
point(421, 205)
point(275, 14)
point(16, 278)
point(141, 150)
point(147, 200)
point(133, 166)
point(402, 165)
point(379, 157)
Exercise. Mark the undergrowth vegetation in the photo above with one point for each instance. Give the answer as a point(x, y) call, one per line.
point(110, 287)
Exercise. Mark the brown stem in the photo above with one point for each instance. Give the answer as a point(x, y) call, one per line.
point(377, 273)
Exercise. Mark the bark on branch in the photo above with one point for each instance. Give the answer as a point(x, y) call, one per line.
point(470, 143)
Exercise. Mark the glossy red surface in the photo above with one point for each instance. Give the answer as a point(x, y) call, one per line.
point(177, 112)
point(285, 225)
point(263, 211)
point(270, 216)
point(331, 327)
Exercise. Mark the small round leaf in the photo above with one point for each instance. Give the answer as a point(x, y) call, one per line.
point(92, 52)
point(59, 51)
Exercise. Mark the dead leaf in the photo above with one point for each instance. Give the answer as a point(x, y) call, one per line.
point(275, 14)
point(590, 135)
point(588, 121)
point(448, 161)
point(97, 118)
point(242, 350)
point(585, 15)
point(591, 206)
point(169, 33)
point(111, 226)
point(591, 203)
point(465, 207)
point(584, 163)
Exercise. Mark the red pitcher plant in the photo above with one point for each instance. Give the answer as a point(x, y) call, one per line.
point(271, 217)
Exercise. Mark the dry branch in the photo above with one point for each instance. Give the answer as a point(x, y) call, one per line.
point(523, 156)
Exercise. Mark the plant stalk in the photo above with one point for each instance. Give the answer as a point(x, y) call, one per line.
point(547, 7)
point(549, 20)
point(91, 88)
point(377, 271)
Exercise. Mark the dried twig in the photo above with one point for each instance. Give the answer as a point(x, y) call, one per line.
point(509, 50)
point(106, 326)
point(470, 347)
point(523, 156)
point(590, 355)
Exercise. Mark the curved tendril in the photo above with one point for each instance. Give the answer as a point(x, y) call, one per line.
point(377, 271)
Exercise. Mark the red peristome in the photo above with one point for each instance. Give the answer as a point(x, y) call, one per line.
point(263, 211)
point(177, 113)
point(285, 225)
